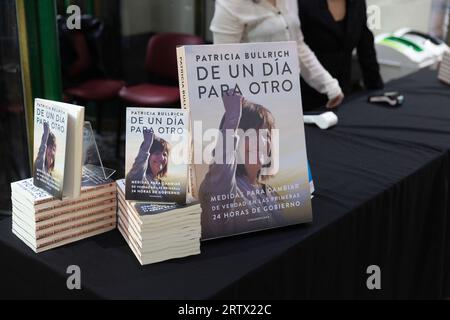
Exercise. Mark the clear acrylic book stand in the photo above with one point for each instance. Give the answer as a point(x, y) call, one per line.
point(93, 169)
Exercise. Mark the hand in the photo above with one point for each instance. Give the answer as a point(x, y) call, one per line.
point(232, 102)
point(148, 136)
point(46, 129)
point(335, 102)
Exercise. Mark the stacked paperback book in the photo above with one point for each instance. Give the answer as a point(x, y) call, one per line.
point(44, 222)
point(444, 71)
point(158, 231)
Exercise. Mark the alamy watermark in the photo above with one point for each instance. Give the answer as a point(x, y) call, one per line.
point(227, 146)
point(74, 280)
point(374, 280)
point(73, 17)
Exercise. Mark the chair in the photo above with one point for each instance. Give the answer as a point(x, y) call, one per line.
point(160, 62)
point(84, 79)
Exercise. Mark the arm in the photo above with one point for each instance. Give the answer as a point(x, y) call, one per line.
point(367, 57)
point(225, 26)
point(140, 164)
point(39, 162)
point(315, 74)
point(221, 178)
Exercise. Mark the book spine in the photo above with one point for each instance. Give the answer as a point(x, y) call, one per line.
point(444, 70)
point(42, 243)
point(182, 78)
point(40, 203)
point(191, 171)
point(76, 237)
point(86, 206)
point(99, 217)
point(185, 104)
point(83, 198)
point(106, 206)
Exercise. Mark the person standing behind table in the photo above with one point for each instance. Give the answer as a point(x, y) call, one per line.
point(333, 29)
point(245, 21)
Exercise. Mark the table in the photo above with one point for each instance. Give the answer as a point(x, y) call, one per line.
point(382, 180)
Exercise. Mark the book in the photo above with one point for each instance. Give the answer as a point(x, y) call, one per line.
point(58, 144)
point(44, 222)
point(39, 200)
point(62, 214)
point(249, 163)
point(63, 239)
point(157, 151)
point(157, 232)
point(444, 69)
point(44, 234)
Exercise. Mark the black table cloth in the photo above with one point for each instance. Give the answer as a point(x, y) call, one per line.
point(382, 198)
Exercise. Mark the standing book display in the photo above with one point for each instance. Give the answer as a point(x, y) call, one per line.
point(157, 155)
point(249, 155)
point(58, 140)
point(71, 196)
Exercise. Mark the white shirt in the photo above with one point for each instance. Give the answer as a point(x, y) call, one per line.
point(237, 21)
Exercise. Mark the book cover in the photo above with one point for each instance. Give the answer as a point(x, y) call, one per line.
point(249, 158)
point(157, 155)
point(58, 147)
point(30, 191)
point(149, 209)
point(50, 134)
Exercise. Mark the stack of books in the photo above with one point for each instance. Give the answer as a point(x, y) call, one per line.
point(444, 70)
point(157, 232)
point(43, 222)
